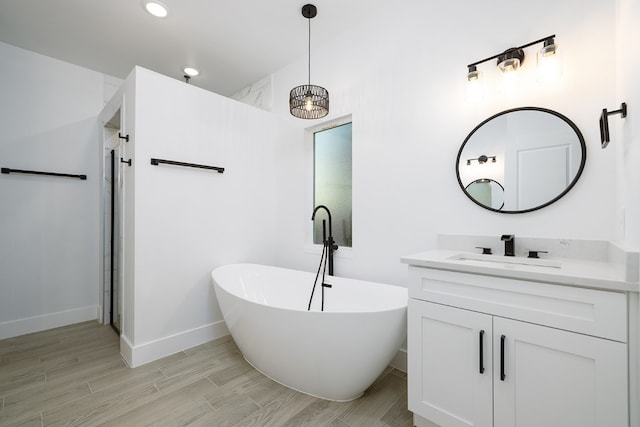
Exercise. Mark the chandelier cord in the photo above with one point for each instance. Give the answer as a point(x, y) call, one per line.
point(309, 50)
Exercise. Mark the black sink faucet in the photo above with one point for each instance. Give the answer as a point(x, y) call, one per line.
point(327, 241)
point(509, 244)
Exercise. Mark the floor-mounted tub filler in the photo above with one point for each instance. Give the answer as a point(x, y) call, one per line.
point(335, 354)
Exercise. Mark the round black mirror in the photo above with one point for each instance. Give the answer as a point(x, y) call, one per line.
point(527, 158)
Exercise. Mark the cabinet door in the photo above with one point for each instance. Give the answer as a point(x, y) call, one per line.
point(446, 385)
point(553, 378)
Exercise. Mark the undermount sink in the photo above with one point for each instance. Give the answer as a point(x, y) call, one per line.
point(498, 259)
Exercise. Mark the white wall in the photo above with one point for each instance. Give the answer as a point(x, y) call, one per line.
point(402, 76)
point(626, 132)
point(49, 227)
point(625, 139)
point(188, 221)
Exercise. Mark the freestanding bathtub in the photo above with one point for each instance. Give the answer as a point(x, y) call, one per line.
point(335, 354)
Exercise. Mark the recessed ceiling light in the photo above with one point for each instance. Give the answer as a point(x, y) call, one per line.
point(190, 71)
point(156, 8)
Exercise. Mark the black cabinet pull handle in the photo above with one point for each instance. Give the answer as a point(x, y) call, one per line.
point(502, 339)
point(481, 342)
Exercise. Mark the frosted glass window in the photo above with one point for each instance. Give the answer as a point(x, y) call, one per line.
point(332, 182)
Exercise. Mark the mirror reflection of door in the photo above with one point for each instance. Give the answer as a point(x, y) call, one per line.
point(543, 173)
point(542, 153)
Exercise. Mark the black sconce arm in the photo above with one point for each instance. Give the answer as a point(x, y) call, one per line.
point(604, 123)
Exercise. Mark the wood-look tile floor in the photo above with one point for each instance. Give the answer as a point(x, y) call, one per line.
point(75, 376)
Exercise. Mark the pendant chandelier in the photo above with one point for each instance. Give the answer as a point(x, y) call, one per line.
point(309, 101)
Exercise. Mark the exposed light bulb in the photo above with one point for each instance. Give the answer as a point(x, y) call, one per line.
point(308, 103)
point(510, 83)
point(550, 67)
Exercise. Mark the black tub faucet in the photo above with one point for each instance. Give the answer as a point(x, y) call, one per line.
point(327, 241)
point(509, 244)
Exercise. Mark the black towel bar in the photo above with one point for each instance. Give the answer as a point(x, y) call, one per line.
point(66, 175)
point(156, 162)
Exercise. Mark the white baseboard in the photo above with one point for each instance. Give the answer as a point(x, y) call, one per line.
point(399, 361)
point(126, 349)
point(14, 328)
point(101, 318)
point(137, 355)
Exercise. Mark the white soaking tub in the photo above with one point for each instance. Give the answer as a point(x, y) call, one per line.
point(335, 354)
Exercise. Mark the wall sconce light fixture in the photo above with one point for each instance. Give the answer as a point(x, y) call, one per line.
point(482, 160)
point(309, 101)
point(512, 58)
point(604, 123)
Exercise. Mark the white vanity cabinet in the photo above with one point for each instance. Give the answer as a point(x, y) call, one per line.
point(557, 378)
point(444, 363)
point(495, 351)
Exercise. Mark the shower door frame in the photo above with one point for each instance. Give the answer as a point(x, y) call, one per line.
point(112, 240)
point(112, 148)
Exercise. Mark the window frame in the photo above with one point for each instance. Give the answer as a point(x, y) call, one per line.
point(309, 246)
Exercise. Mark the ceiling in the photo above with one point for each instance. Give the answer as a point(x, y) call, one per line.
point(233, 43)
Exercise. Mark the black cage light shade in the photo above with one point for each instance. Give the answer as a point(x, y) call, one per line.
point(309, 101)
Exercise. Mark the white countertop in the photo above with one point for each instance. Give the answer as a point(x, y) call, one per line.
point(586, 273)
